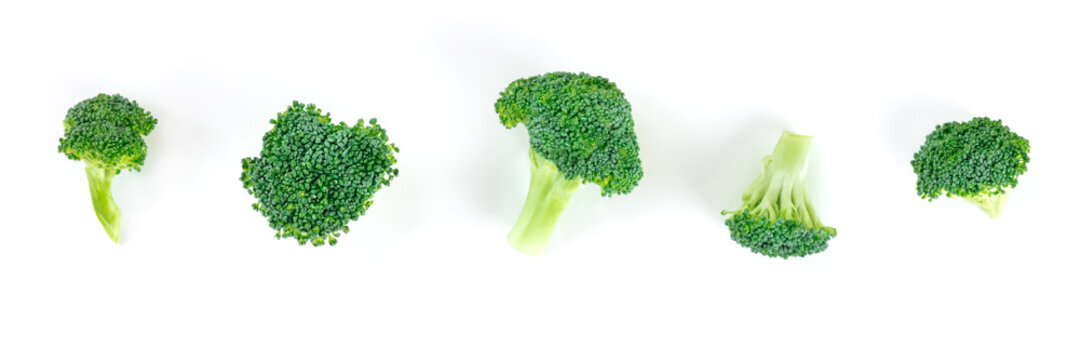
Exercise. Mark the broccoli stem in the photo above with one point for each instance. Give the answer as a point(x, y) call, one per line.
point(791, 153)
point(992, 204)
point(101, 194)
point(549, 193)
point(780, 191)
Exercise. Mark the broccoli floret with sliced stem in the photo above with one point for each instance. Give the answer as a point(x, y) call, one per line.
point(776, 218)
point(106, 132)
point(580, 131)
point(978, 160)
point(313, 176)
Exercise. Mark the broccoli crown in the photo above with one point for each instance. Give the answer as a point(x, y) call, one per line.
point(580, 122)
point(976, 158)
point(313, 177)
point(106, 131)
point(777, 237)
point(776, 218)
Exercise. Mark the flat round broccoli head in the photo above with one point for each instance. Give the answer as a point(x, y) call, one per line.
point(313, 177)
point(778, 238)
point(106, 131)
point(580, 122)
point(969, 159)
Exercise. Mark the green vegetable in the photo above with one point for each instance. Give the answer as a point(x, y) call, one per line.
point(313, 177)
point(978, 160)
point(106, 133)
point(580, 130)
point(776, 218)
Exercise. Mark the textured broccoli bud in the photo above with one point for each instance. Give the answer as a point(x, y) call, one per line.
point(313, 177)
point(580, 130)
point(978, 160)
point(776, 218)
point(106, 133)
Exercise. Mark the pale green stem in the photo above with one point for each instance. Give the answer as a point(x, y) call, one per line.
point(782, 170)
point(101, 194)
point(549, 193)
point(992, 204)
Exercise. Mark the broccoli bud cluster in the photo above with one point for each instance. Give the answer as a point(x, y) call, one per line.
point(106, 131)
point(978, 160)
point(313, 176)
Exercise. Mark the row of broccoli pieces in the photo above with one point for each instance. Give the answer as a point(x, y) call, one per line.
point(313, 176)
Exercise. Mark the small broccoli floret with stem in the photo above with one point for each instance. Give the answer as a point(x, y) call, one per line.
point(580, 130)
point(106, 132)
point(313, 176)
point(978, 160)
point(776, 218)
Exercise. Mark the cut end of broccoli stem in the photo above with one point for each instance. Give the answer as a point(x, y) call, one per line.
point(791, 152)
point(549, 193)
point(991, 204)
point(108, 213)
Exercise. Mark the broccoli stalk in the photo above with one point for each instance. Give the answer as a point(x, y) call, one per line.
point(781, 190)
point(993, 204)
point(101, 194)
point(777, 218)
point(549, 193)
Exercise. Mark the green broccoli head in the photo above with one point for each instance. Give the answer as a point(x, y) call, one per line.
point(313, 176)
point(776, 218)
point(978, 160)
point(580, 130)
point(106, 133)
point(580, 122)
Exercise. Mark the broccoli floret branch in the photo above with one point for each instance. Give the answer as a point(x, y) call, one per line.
point(106, 133)
point(978, 160)
point(777, 218)
point(580, 131)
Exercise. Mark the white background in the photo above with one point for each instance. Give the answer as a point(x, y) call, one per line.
point(427, 273)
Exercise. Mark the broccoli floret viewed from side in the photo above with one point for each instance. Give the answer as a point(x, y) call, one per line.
point(978, 160)
point(313, 176)
point(106, 132)
point(776, 218)
point(580, 130)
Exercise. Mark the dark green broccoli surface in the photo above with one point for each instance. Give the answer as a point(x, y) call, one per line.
point(978, 160)
point(580, 122)
point(106, 131)
point(313, 176)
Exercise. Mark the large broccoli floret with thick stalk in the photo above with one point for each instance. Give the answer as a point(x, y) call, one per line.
point(776, 218)
point(580, 130)
point(978, 160)
point(106, 133)
point(313, 176)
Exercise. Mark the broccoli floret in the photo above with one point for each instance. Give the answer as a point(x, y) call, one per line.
point(978, 160)
point(313, 177)
point(106, 133)
point(580, 130)
point(776, 218)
